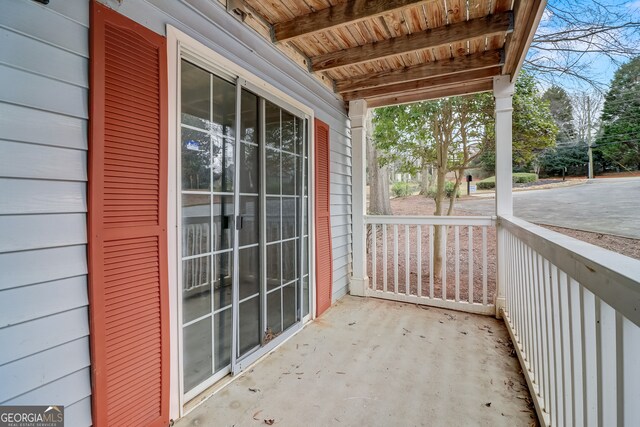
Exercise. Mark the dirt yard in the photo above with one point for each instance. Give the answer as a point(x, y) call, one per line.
point(457, 278)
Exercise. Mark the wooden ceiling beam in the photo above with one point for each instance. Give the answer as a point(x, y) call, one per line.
point(527, 15)
point(457, 89)
point(455, 65)
point(340, 14)
point(422, 85)
point(486, 26)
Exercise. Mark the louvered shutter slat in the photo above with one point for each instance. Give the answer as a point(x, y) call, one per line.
point(127, 223)
point(324, 257)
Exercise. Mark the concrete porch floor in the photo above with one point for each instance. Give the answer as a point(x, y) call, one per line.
point(369, 362)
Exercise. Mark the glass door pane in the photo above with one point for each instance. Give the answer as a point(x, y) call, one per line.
point(284, 158)
point(242, 177)
point(208, 210)
point(250, 289)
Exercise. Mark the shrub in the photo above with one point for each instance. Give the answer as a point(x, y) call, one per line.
point(523, 178)
point(401, 189)
point(487, 183)
point(518, 178)
point(448, 191)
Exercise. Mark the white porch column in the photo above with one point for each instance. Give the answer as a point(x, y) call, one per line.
point(503, 90)
point(358, 113)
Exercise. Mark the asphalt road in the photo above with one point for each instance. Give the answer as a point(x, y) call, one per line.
point(610, 206)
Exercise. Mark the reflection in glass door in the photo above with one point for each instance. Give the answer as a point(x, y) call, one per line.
point(208, 169)
point(244, 200)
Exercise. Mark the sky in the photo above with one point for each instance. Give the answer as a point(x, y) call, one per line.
point(597, 66)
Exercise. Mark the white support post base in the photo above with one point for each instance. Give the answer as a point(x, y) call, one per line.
point(503, 90)
point(358, 113)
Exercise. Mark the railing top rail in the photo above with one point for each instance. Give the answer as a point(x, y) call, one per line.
point(614, 278)
point(430, 220)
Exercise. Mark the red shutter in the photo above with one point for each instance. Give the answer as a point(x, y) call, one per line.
point(128, 294)
point(324, 257)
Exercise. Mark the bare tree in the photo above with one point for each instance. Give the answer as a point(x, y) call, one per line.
point(572, 33)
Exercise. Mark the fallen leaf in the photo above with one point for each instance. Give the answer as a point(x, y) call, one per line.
point(463, 332)
point(254, 415)
point(352, 323)
point(341, 373)
point(269, 421)
point(255, 390)
point(488, 404)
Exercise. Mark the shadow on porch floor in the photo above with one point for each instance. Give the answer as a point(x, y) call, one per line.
point(368, 362)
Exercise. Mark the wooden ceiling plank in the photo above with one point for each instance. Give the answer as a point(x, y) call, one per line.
point(488, 26)
point(478, 8)
point(422, 71)
point(459, 89)
point(337, 15)
point(457, 11)
point(424, 84)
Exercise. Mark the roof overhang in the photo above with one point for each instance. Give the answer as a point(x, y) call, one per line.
point(399, 51)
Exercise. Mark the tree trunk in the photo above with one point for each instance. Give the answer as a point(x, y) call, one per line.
point(456, 187)
point(441, 172)
point(425, 179)
point(379, 202)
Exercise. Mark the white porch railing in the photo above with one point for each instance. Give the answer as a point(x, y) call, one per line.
point(401, 261)
point(573, 312)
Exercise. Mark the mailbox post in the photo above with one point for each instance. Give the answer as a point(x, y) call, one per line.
point(469, 179)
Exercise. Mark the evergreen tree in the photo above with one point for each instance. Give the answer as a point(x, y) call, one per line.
point(619, 141)
point(534, 129)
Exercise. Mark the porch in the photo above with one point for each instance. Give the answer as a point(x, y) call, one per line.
point(373, 362)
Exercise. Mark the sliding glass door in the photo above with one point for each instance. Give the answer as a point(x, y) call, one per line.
point(244, 238)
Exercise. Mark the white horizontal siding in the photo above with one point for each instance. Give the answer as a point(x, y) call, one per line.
point(26, 196)
point(23, 124)
point(24, 17)
point(20, 160)
point(67, 390)
point(79, 412)
point(42, 231)
point(40, 334)
point(60, 65)
point(44, 326)
point(52, 264)
point(35, 91)
point(29, 373)
point(42, 300)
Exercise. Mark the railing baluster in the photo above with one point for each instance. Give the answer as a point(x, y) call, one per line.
point(395, 258)
point(470, 260)
point(384, 257)
point(431, 286)
point(620, 369)
point(606, 342)
point(457, 255)
point(407, 265)
point(444, 233)
point(544, 331)
point(419, 260)
point(550, 333)
point(484, 265)
point(590, 387)
point(577, 349)
point(374, 257)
